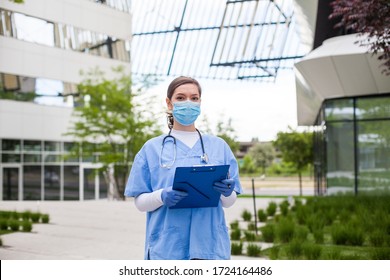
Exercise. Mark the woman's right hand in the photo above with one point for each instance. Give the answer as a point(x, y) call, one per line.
point(171, 197)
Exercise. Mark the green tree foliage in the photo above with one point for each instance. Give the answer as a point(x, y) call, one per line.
point(111, 126)
point(247, 165)
point(262, 154)
point(296, 148)
point(17, 1)
point(226, 132)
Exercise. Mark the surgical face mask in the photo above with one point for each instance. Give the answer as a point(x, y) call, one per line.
point(186, 112)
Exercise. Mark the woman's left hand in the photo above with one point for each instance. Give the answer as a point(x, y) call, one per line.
point(225, 187)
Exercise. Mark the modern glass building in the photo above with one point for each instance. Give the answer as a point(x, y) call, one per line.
point(352, 142)
point(48, 43)
point(344, 95)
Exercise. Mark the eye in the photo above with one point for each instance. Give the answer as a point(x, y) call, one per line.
point(195, 98)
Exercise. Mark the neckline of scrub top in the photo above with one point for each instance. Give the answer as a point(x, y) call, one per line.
point(194, 150)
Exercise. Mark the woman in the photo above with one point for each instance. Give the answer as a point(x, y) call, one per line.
point(185, 233)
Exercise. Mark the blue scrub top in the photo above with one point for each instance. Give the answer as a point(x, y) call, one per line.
point(188, 233)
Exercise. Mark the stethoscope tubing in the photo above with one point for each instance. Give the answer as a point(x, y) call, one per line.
point(203, 157)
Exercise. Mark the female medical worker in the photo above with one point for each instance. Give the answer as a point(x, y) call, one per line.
point(185, 233)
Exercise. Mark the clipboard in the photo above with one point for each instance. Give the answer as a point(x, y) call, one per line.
point(198, 182)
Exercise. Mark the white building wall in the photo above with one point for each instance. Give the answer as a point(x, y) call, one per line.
point(33, 60)
point(25, 120)
point(79, 13)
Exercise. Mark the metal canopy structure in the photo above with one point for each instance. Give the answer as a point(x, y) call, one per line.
point(218, 39)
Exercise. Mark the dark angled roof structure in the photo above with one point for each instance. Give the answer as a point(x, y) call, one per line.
point(218, 39)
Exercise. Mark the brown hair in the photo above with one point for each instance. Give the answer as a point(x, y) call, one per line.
point(179, 81)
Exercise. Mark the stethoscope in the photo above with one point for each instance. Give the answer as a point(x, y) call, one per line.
point(203, 158)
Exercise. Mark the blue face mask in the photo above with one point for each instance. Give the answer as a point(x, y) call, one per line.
point(186, 112)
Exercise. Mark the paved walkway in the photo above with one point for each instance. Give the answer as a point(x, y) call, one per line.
point(97, 230)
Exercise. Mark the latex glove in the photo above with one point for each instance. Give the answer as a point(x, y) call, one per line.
point(225, 187)
point(171, 197)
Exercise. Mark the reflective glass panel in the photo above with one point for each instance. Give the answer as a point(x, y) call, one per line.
point(6, 157)
point(31, 182)
point(32, 146)
point(339, 109)
point(52, 175)
point(32, 158)
point(52, 146)
point(374, 155)
point(10, 183)
point(10, 145)
point(71, 182)
point(103, 186)
point(89, 183)
point(340, 157)
point(373, 108)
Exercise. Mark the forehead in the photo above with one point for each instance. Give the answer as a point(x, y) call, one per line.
point(186, 89)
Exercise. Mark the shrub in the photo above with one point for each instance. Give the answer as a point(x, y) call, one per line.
point(26, 215)
point(234, 225)
point(285, 230)
point(5, 214)
point(339, 234)
point(347, 235)
point(235, 234)
point(294, 250)
point(253, 250)
point(45, 218)
point(318, 236)
point(26, 226)
point(315, 222)
point(249, 236)
point(14, 225)
point(1, 242)
point(251, 226)
point(377, 238)
point(246, 215)
point(301, 233)
point(302, 215)
point(15, 215)
point(312, 251)
point(262, 215)
point(271, 208)
point(381, 254)
point(274, 253)
point(3, 224)
point(284, 207)
point(355, 237)
point(35, 217)
point(236, 248)
point(268, 233)
point(333, 254)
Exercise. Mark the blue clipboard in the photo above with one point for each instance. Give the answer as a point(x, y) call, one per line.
point(198, 182)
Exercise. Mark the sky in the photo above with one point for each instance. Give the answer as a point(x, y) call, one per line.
point(257, 110)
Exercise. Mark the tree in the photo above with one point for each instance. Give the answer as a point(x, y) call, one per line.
point(262, 154)
point(111, 126)
point(248, 165)
point(296, 148)
point(368, 17)
point(227, 133)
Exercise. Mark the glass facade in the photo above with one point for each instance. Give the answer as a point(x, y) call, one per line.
point(352, 145)
point(46, 170)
